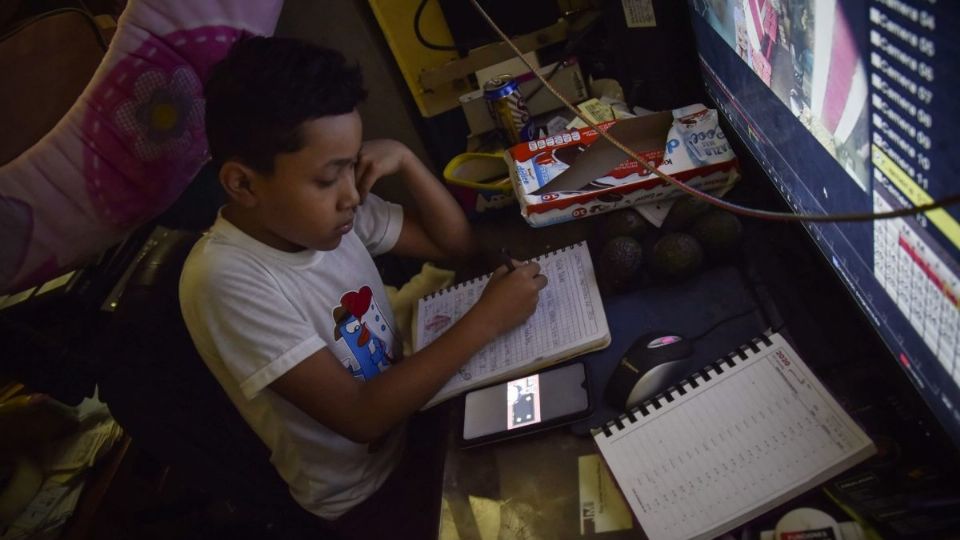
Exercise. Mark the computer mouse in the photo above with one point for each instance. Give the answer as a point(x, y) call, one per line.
point(655, 361)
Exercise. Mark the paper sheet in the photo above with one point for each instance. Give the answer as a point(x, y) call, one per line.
point(602, 507)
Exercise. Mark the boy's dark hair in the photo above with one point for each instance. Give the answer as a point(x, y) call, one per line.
point(266, 87)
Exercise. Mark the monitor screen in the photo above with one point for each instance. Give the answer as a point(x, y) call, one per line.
point(850, 106)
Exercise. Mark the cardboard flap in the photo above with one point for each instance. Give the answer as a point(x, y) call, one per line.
point(641, 134)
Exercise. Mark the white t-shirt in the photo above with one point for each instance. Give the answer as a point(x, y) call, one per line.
point(254, 312)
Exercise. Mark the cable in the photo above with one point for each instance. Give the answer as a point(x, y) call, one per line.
point(723, 321)
point(568, 50)
point(716, 201)
point(423, 41)
point(557, 67)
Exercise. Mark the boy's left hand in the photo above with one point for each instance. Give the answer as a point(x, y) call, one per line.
point(379, 158)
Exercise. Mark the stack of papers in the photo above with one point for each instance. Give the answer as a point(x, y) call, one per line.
point(65, 467)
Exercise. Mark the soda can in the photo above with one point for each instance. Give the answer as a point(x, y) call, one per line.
point(508, 109)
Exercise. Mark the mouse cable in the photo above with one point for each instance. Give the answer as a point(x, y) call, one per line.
point(716, 201)
point(724, 321)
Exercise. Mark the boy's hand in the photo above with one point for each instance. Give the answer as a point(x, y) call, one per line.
point(510, 298)
point(379, 158)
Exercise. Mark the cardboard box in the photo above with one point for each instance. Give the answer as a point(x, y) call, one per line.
point(577, 174)
point(567, 80)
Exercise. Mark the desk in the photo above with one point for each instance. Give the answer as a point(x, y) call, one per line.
point(531, 485)
point(524, 488)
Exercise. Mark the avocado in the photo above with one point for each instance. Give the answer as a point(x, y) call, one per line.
point(676, 256)
point(623, 222)
point(618, 264)
point(718, 232)
point(683, 212)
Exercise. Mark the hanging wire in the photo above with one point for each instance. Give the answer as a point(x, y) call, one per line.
point(716, 201)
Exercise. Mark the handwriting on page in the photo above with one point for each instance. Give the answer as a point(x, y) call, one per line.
point(565, 314)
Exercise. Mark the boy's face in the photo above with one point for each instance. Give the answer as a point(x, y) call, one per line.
point(310, 199)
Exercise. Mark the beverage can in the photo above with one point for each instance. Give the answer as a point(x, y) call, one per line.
point(509, 111)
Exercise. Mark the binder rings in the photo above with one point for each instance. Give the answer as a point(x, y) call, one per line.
point(569, 321)
point(734, 440)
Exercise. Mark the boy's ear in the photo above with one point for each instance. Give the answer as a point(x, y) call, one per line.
point(237, 179)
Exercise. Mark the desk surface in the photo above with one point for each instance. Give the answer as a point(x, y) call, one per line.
point(529, 487)
point(525, 488)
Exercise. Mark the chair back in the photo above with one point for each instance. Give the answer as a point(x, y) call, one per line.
point(160, 391)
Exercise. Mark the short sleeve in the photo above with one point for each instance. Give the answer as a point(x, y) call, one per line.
point(378, 224)
point(235, 312)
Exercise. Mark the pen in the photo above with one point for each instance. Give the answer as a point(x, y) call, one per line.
point(507, 259)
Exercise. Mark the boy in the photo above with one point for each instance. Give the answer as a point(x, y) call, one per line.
point(282, 298)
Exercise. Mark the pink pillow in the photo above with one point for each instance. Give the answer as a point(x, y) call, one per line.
point(129, 145)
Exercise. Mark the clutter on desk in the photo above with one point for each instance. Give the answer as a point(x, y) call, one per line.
point(480, 182)
point(631, 251)
point(602, 506)
point(565, 76)
point(41, 483)
point(509, 111)
point(804, 523)
point(578, 174)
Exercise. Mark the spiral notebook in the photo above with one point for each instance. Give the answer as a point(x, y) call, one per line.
point(569, 321)
point(747, 433)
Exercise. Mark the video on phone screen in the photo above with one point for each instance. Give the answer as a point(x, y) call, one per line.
point(523, 402)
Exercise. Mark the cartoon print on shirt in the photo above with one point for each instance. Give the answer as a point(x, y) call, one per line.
point(363, 328)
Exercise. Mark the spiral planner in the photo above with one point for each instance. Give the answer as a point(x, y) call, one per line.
point(569, 321)
point(747, 433)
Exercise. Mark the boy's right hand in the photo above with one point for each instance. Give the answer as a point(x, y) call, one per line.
point(510, 298)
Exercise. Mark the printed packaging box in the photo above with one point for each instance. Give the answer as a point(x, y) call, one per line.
point(577, 174)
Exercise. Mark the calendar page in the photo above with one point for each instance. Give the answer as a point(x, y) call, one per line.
point(735, 440)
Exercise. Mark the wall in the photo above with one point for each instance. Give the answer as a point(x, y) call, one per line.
point(350, 27)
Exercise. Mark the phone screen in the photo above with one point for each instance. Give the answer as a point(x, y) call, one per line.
point(525, 402)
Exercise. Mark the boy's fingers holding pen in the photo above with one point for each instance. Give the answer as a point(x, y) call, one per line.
point(532, 271)
point(531, 268)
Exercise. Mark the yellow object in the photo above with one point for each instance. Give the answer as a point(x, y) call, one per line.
point(402, 301)
point(29, 420)
point(478, 170)
point(396, 20)
point(9, 390)
point(917, 195)
point(594, 109)
point(24, 482)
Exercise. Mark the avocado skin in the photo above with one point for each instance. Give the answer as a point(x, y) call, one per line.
point(683, 212)
point(718, 232)
point(676, 256)
point(619, 263)
point(623, 222)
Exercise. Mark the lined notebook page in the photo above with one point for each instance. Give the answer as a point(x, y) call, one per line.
point(569, 319)
point(722, 448)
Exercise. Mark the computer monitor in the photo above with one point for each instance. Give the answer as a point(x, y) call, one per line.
point(852, 106)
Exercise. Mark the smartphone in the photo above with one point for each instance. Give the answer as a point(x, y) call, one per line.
point(537, 402)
